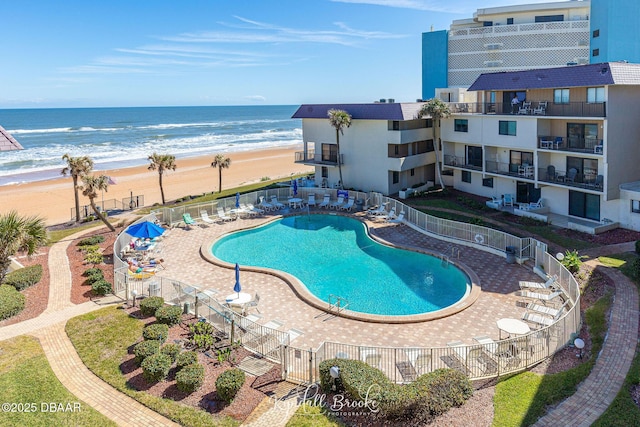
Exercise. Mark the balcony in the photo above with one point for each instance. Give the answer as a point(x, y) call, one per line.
point(572, 109)
point(510, 169)
point(460, 162)
point(571, 144)
point(587, 181)
point(311, 158)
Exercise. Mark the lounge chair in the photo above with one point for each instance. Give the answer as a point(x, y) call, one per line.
point(312, 200)
point(347, 206)
point(380, 210)
point(186, 217)
point(508, 200)
point(540, 319)
point(223, 216)
point(544, 298)
point(265, 205)
point(541, 108)
point(276, 204)
point(336, 205)
point(252, 208)
point(536, 205)
point(247, 210)
point(398, 221)
point(254, 303)
point(388, 216)
point(550, 284)
point(457, 360)
point(370, 356)
point(549, 311)
point(205, 217)
point(326, 201)
point(420, 359)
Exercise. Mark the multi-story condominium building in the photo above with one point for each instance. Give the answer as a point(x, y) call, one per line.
point(387, 148)
point(508, 38)
point(573, 141)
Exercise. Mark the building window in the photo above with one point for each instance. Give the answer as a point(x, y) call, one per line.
point(330, 153)
point(509, 22)
point(487, 24)
point(461, 125)
point(474, 156)
point(325, 172)
point(595, 94)
point(507, 127)
point(561, 96)
point(395, 125)
point(412, 171)
point(466, 176)
point(596, 52)
point(395, 177)
point(549, 18)
point(635, 206)
point(487, 182)
point(596, 33)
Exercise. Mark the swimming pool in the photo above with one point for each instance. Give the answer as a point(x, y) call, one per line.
point(333, 254)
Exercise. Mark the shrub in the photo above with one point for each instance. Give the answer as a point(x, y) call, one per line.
point(11, 301)
point(228, 384)
point(93, 240)
point(572, 261)
point(201, 335)
point(186, 358)
point(443, 389)
point(638, 247)
point(156, 367)
point(169, 315)
point(158, 332)
point(171, 350)
point(23, 278)
point(202, 328)
point(145, 349)
point(190, 378)
point(94, 276)
point(101, 287)
point(93, 271)
point(148, 306)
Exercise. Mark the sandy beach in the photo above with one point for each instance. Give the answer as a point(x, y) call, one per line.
point(53, 199)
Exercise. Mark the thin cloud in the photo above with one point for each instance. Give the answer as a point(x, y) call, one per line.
point(258, 98)
point(457, 6)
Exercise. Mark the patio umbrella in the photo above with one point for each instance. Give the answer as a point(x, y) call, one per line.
point(237, 200)
point(295, 187)
point(8, 142)
point(145, 230)
point(237, 288)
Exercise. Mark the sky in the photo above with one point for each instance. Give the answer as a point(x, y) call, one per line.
point(117, 53)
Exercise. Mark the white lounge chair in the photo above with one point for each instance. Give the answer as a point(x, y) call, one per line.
point(389, 215)
point(254, 209)
point(549, 311)
point(398, 221)
point(205, 217)
point(542, 319)
point(312, 200)
point(550, 284)
point(223, 216)
point(326, 201)
point(276, 204)
point(370, 356)
point(544, 298)
point(253, 303)
point(380, 210)
point(265, 205)
point(336, 205)
point(245, 209)
point(347, 206)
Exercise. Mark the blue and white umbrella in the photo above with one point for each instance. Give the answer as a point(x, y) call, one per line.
point(295, 187)
point(237, 287)
point(237, 200)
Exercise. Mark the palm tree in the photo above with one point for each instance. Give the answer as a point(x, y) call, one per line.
point(19, 233)
point(220, 162)
point(437, 110)
point(339, 119)
point(162, 162)
point(91, 186)
point(77, 167)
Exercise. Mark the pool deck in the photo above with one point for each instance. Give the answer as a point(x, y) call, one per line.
point(498, 280)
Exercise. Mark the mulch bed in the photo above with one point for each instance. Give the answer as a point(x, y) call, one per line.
point(205, 397)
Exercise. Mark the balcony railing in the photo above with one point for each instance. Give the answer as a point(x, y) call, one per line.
point(572, 109)
point(571, 144)
point(509, 169)
point(460, 162)
point(590, 181)
point(312, 158)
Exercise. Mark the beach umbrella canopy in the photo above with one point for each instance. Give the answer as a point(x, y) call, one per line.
point(237, 201)
point(112, 180)
point(8, 142)
point(145, 230)
point(237, 288)
point(295, 187)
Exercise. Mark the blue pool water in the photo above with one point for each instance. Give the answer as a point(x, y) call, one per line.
point(333, 254)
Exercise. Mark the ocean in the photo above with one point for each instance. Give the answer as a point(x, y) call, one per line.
point(124, 137)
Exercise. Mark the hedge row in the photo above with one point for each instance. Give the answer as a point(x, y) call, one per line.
point(11, 301)
point(23, 278)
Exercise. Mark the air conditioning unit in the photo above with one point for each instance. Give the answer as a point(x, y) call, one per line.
point(582, 60)
point(493, 46)
point(492, 64)
point(583, 42)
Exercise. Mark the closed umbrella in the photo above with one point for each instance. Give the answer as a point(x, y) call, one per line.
point(145, 230)
point(237, 200)
point(237, 287)
point(295, 187)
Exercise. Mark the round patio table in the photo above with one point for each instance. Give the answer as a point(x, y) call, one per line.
point(513, 326)
point(238, 298)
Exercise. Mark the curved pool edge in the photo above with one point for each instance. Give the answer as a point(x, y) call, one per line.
point(301, 291)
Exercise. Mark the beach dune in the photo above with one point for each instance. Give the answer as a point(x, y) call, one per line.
point(53, 199)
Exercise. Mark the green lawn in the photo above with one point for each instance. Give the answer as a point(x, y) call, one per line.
point(102, 338)
point(27, 380)
point(521, 399)
point(313, 416)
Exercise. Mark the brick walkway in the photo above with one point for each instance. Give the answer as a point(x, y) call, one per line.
point(595, 394)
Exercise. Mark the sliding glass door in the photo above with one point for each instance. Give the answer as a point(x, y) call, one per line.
point(584, 205)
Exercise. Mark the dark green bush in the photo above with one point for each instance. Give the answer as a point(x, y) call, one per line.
point(101, 287)
point(94, 276)
point(157, 331)
point(169, 315)
point(638, 247)
point(93, 271)
point(93, 240)
point(148, 306)
point(23, 278)
point(202, 328)
point(145, 349)
point(11, 301)
point(228, 384)
point(572, 261)
point(171, 350)
point(190, 378)
point(186, 358)
point(156, 367)
point(441, 390)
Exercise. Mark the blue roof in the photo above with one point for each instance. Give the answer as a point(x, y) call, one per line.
point(372, 111)
point(602, 74)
